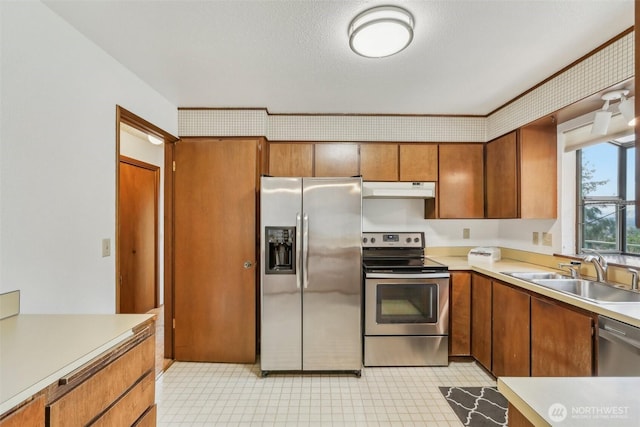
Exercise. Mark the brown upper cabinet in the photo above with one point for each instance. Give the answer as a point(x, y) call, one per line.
point(290, 159)
point(522, 173)
point(336, 159)
point(418, 162)
point(461, 181)
point(379, 162)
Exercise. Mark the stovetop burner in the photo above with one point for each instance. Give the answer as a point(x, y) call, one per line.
point(401, 252)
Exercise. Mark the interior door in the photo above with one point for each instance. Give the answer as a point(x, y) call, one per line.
point(138, 235)
point(215, 250)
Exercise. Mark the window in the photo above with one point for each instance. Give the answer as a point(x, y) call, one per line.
point(606, 197)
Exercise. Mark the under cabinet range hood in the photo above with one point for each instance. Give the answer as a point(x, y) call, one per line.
point(398, 190)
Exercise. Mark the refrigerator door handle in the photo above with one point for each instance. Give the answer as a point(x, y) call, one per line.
point(305, 250)
point(298, 250)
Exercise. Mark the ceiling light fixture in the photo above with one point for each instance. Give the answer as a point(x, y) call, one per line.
point(602, 117)
point(154, 139)
point(627, 109)
point(381, 31)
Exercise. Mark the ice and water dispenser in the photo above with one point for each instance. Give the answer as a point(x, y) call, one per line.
point(280, 250)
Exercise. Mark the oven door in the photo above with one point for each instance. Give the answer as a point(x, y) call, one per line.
point(406, 304)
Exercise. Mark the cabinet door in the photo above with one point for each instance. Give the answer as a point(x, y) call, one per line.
point(511, 331)
point(336, 160)
point(290, 159)
point(502, 177)
point(461, 181)
point(418, 162)
point(460, 336)
point(538, 172)
point(481, 320)
point(379, 162)
point(31, 414)
point(562, 340)
point(214, 238)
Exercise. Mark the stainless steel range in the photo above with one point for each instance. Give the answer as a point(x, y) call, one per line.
point(406, 306)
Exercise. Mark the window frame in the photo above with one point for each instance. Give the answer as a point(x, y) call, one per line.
point(620, 201)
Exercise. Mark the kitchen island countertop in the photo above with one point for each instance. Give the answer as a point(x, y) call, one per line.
point(38, 349)
point(579, 402)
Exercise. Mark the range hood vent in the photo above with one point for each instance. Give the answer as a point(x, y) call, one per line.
point(398, 190)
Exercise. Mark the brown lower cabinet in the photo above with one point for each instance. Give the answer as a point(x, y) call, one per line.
point(481, 319)
point(516, 419)
point(562, 340)
point(511, 331)
point(515, 332)
point(460, 330)
point(115, 389)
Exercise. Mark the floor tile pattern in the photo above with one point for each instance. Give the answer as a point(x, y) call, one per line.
point(212, 394)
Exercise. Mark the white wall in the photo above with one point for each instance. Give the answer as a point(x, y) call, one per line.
point(134, 147)
point(57, 160)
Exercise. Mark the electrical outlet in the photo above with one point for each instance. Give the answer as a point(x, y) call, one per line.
point(546, 239)
point(466, 233)
point(536, 238)
point(106, 247)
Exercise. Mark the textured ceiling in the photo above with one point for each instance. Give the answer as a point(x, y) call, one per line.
point(467, 57)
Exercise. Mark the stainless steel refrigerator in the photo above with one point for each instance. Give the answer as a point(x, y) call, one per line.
point(311, 274)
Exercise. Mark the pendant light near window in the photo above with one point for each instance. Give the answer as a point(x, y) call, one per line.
point(381, 31)
point(627, 109)
point(602, 118)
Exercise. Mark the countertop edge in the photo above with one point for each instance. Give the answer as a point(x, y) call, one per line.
point(520, 404)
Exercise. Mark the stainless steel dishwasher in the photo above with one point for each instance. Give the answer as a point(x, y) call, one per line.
point(618, 349)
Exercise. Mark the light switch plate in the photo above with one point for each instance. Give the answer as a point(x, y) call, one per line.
point(547, 239)
point(106, 247)
point(536, 238)
point(466, 233)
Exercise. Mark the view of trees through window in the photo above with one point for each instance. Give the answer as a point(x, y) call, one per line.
point(607, 187)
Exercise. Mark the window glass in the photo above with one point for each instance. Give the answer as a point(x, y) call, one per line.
point(606, 206)
point(600, 227)
point(600, 170)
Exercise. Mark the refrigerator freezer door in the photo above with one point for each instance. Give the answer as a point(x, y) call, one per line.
point(332, 338)
point(281, 298)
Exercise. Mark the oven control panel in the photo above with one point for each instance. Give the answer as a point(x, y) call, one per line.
point(393, 240)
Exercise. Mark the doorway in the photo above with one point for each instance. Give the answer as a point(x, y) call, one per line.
point(128, 124)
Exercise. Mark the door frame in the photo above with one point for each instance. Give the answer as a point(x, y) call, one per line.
point(156, 183)
point(135, 121)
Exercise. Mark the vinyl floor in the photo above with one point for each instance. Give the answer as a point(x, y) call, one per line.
point(213, 394)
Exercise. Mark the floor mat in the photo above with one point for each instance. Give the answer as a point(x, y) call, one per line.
point(477, 406)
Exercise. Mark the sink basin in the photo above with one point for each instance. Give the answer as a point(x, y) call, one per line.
point(537, 275)
point(588, 289)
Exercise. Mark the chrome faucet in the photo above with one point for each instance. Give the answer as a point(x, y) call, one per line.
point(634, 278)
point(599, 263)
point(572, 267)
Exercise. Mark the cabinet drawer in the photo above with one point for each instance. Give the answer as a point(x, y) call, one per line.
point(148, 419)
point(31, 414)
point(131, 406)
point(91, 397)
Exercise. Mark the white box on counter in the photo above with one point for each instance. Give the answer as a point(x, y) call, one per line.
point(483, 255)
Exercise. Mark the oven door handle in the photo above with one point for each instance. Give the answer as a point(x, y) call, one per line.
point(400, 276)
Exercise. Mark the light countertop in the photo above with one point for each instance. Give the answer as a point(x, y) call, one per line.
point(36, 350)
point(580, 402)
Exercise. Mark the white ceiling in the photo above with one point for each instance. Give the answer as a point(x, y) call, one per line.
point(293, 56)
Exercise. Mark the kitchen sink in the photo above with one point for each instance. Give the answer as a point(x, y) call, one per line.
point(582, 288)
point(537, 275)
point(590, 290)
